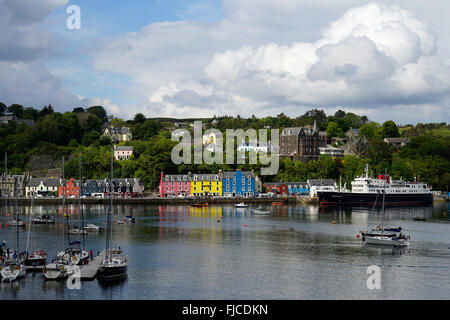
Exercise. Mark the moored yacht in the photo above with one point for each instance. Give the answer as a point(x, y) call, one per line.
point(114, 266)
point(12, 270)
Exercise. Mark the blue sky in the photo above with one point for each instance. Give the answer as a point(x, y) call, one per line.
point(386, 59)
point(102, 19)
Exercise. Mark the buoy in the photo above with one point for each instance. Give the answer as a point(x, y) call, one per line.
point(245, 225)
point(334, 222)
point(6, 224)
point(357, 236)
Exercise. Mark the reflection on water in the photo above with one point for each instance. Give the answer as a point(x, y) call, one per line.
point(222, 252)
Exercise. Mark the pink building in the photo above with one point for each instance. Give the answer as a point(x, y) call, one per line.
point(174, 185)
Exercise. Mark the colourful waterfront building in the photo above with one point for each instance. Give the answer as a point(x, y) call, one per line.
point(238, 183)
point(175, 185)
point(287, 188)
point(206, 184)
point(71, 188)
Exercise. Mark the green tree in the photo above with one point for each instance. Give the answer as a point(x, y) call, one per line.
point(3, 108)
point(390, 129)
point(116, 122)
point(370, 130)
point(333, 130)
point(16, 109)
point(139, 118)
point(47, 110)
point(99, 111)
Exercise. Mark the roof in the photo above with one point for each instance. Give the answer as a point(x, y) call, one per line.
point(176, 177)
point(48, 182)
point(394, 140)
point(291, 131)
point(321, 182)
point(118, 130)
point(291, 184)
point(247, 174)
point(205, 177)
point(6, 118)
point(123, 148)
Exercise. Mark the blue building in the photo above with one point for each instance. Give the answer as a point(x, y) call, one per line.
point(297, 188)
point(238, 184)
point(92, 188)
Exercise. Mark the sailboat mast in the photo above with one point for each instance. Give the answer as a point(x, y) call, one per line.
point(17, 215)
point(382, 210)
point(79, 204)
point(64, 200)
point(30, 222)
point(109, 227)
point(5, 186)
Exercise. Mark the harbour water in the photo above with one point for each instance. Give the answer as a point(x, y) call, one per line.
point(220, 252)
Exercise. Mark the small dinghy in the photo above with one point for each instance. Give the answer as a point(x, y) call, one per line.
point(240, 205)
point(260, 211)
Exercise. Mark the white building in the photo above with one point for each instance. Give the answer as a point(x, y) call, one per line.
point(331, 151)
point(39, 186)
point(123, 152)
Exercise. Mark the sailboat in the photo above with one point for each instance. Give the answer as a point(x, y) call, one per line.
point(79, 230)
point(114, 267)
point(37, 258)
point(387, 239)
point(62, 266)
point(14, 269)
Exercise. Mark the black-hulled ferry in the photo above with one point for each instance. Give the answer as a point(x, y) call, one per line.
point(369, 191)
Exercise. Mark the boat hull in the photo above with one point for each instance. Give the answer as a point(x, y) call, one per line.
point(350, 198)
point(386, 241)
point(9, 275)
point(112, 273)
point(56, 272)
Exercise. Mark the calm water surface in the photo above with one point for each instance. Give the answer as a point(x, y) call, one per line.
point(219, 252)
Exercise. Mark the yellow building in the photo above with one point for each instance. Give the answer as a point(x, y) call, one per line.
point(206, 185)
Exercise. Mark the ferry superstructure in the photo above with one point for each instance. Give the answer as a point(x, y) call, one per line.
point(369, 191)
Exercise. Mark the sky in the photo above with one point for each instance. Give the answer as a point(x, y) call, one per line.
point(388, 60)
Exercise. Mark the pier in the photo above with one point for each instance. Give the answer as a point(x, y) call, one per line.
point(89, 271)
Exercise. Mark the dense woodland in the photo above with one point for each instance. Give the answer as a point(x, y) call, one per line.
point(426, 157)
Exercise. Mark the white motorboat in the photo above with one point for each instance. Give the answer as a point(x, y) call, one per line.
point(261, 212)
point(240, 205)
point(92, 228)
point(44, 219)
point(78, 231)
point(17, 223)
point(13, 270)
point(387, 241)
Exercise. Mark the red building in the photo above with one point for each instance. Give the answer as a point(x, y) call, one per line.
point(276, 187)
point(72, 189)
